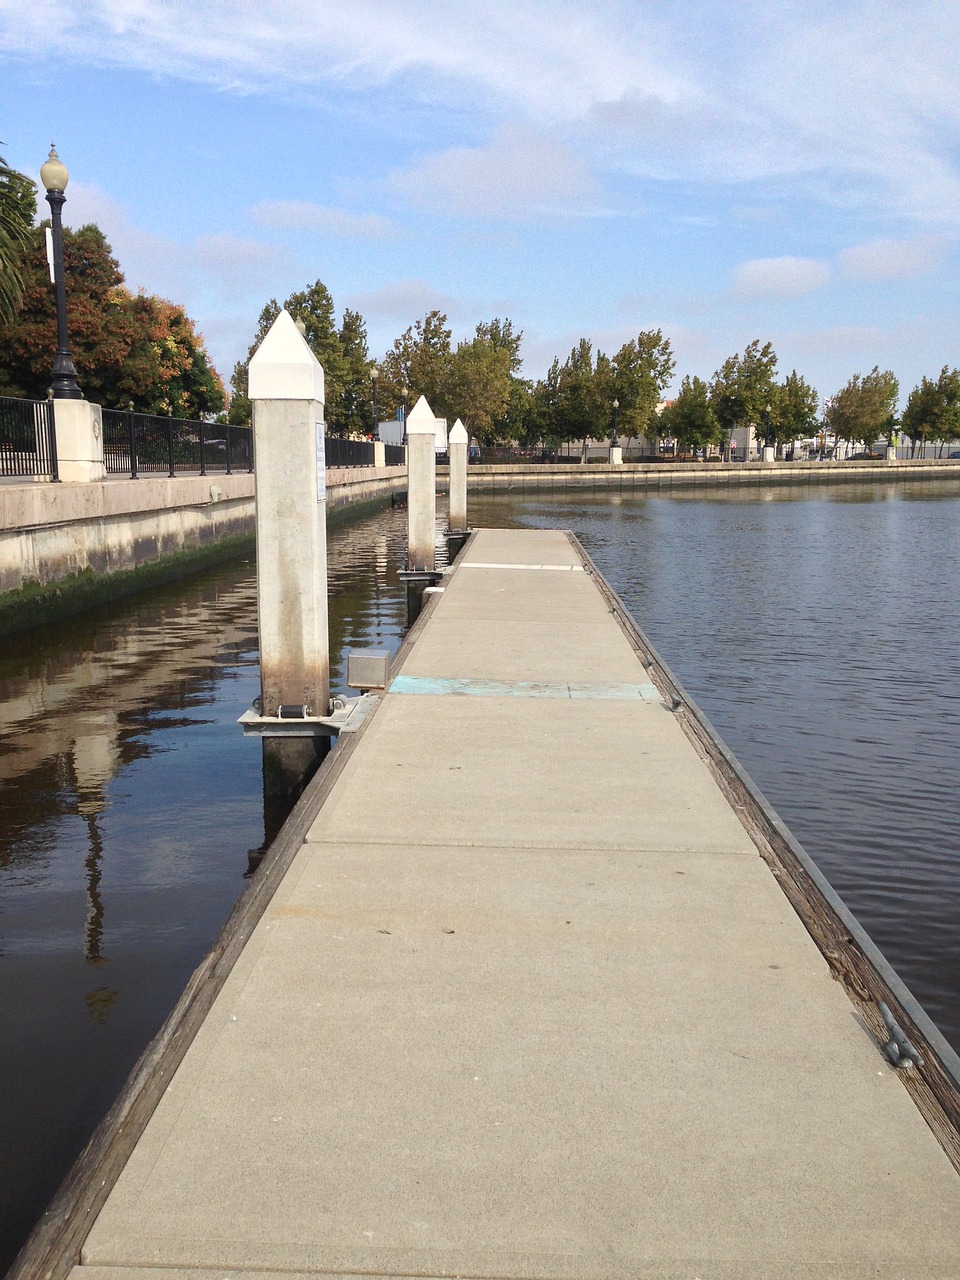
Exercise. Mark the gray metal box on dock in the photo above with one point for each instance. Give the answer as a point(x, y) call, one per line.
point(368, 668)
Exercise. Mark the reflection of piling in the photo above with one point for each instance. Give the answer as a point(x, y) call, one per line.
point(421, 571)
point(287, 391)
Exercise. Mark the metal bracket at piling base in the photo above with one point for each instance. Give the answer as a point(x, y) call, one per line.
point(417, 581)
point(347, 714)
point(456, 540)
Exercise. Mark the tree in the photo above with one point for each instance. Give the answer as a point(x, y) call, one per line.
point(419, 360)
point(794, 414)
point(584, 404)
point(641, 370)
point(167, 369)
point(743, 387)
point(690, 418)
point(353, 415)
point(128, 349)
point(18, 209)
point(863, 409)
point(479, 383)
point(933, 409)
point(240, 409)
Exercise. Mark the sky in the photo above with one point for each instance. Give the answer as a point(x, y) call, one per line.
point(787, 170)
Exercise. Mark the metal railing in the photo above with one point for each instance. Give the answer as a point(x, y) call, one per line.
point(348, 453)
point(394, 455)
point(28, 441)
point(140, 443)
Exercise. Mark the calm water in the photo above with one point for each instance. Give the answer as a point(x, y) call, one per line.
point(819, 634)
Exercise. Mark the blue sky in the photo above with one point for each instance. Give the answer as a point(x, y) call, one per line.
point(782, 171)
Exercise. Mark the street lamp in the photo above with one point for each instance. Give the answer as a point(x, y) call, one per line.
point(374, 375)
point(404, 392)
point(614, 442)
point(768, 434)
point(54, 176)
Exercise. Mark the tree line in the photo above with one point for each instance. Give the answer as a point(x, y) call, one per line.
point(135, 349)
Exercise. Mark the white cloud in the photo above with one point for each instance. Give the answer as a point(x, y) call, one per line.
point(520, 174)
point(772, 278)
point(304, 215)
point(893, 259)
point(855, 104)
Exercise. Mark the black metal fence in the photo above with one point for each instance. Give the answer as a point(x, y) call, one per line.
point(394, 455)
point(28, 442)
point(141, 443)
point(348, 453)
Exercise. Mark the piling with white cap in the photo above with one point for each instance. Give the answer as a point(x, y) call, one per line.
point(421, 488)
point(287, 390)
point(457, 445)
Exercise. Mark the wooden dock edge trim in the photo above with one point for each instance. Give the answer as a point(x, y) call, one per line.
point(410, 639)
point(853, 957)
point(53, 1247)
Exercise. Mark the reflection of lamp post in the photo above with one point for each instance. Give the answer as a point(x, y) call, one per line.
point(614, 442)
point(54, 176)
point(404, 392)
point(374, 375)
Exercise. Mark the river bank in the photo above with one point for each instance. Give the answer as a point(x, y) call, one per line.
point(657, 477)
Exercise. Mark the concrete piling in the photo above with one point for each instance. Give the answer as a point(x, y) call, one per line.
point(421, 488)
point(287, 391)
point(457, 445)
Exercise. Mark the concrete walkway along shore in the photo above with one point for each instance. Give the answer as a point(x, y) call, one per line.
point(528, 1003)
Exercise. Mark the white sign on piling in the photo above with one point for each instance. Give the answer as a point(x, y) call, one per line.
point(457, 446)
point(287, 390)
point(421, 488)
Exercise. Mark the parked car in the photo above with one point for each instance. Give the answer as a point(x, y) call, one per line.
point(866, 455)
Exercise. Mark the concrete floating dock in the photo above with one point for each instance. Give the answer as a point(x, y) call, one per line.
point(528, 1003)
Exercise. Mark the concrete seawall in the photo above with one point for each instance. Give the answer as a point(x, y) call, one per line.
point(48, 532)
point(655, 477)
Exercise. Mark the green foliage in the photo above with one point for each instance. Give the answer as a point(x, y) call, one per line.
point(864, 408)
point(127, 348)
point(641, 370)
point(18, 208)
point(933, 409)
point(353, 413)
point(742, 388)
point(690, 419)
point(794, 414)
point(420, 360)
point(480, 383)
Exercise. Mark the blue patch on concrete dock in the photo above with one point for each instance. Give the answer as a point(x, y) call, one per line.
point(467, 688)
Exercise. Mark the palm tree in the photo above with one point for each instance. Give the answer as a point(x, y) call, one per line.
point(17, 209)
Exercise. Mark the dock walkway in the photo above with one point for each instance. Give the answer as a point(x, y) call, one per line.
point(529, 1004)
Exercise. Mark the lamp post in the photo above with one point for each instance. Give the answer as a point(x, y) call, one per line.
point(768, 449)
point(374, 375)
point(614, 442)
point(54, 176)
point(404, 392)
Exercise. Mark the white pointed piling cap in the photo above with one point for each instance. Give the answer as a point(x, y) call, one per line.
point(458, 433)
point(420, 419)
point(283, 367)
